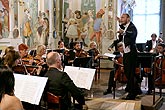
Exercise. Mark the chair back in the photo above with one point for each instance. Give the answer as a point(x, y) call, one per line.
point(53, 99)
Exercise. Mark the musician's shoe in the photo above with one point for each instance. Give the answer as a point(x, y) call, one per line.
point(138, 92)
point(107, 92)
point(149, 92)
point(130, 97)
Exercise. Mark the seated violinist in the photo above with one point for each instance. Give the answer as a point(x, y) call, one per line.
point(111, 82)
point(41, 50)
point(27, 61)
point(79, 52)
point(94, 52)
point(61, 45)
point(10, 59)
point(40, 61)
point(4, 55)
point(25, 58)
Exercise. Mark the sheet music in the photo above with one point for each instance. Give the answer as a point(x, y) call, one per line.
point(109, 55)
point(124, 106)
point(29, 88)
point(82, 77)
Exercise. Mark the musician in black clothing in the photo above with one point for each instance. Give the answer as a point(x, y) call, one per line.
point(60, 84)
point(150, 45)
point(130, 56)
point(111, 82)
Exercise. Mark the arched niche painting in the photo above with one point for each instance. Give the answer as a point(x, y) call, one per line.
point(4, 18)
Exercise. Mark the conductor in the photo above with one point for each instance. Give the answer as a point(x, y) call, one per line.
point(130, 56)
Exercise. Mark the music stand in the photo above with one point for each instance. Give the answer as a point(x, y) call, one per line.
point(145, 59)
point(48, 51)
point(82, 62)
point(71, 54)
point(59, 50)
point(33, 53)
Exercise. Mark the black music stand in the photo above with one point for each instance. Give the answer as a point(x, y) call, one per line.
point(59, 50)
point(144, 60)
point(33, 53)
point(71, 54)
point(82, 62)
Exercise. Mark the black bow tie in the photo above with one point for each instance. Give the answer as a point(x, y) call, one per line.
point(122, 27)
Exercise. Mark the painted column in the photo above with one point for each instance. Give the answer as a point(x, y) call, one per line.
point(41, 5)
point(75, 5)
point(51, 24)
point(59, 8)
point(11, 17)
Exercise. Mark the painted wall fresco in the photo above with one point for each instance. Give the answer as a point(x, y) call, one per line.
point(4, 18)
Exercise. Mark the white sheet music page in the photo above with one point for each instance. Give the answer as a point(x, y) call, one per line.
point(109, 55)
point(29, 88)
point(82, 77)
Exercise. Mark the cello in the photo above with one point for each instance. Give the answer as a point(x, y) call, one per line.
point(159, 71)
point(119, 75)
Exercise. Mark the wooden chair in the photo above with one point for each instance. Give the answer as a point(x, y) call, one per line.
point(53, 100)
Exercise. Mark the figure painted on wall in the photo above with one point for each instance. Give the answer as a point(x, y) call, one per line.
point(6, 24)
point(127, 7)
point(1, 22)
point(5, 4)
point(72, 32)
point(27, 32)
point(42, 31)
point(90, 23)
point(79, 22)
point(99, 27)
point(38, 29)
point(82, 30)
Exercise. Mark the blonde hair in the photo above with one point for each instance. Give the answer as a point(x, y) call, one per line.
point(92, 43)
point(39, 48)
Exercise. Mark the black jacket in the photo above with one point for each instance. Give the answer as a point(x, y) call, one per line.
point(130, 36)
point(60, 84)
point(148, 45)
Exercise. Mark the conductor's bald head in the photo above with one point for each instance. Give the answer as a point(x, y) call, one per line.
point(53, 58)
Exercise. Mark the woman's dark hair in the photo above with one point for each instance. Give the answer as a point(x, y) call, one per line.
point(10, 58)
point(7, 82)
point(59, 42)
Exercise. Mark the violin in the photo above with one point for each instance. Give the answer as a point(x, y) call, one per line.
point(26, 66)
point(27, 60)
point(25, 69)
point(81, 53)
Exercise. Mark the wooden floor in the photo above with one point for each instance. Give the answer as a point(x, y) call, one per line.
point(99, 86)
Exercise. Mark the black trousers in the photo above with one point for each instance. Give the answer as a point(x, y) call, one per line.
point(111, 82)
point(129, 61)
